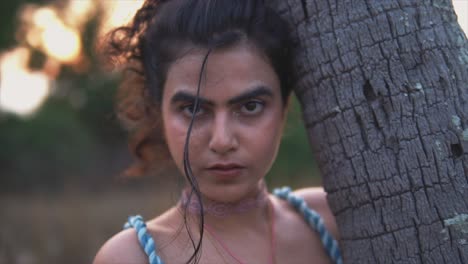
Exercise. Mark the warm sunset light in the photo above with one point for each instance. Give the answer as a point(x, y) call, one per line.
point(61, 43)
point(78, 12)
point(21, 91)
point(57, 33)
point(57, 40)
point(119, 12)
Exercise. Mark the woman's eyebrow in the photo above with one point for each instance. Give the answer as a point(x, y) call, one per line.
point(182, 96)
point(187, 97)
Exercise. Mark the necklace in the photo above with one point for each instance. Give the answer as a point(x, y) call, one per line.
point(223, 209)
point(210, 231)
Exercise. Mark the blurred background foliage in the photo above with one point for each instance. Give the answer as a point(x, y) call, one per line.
point(62, 149)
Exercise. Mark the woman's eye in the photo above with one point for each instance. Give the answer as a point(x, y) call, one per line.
point(190, 109)
point(252, 107)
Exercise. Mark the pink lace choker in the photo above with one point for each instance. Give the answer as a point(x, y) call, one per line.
point(222, 209)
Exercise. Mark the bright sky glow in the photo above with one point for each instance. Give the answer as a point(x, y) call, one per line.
point(119, 12)
point(461, 8)
point(21, 91)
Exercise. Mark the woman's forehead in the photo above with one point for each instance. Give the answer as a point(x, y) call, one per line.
point(241, 67)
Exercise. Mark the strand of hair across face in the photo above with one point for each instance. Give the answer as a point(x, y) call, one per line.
point(188, 169)
point(210, 230)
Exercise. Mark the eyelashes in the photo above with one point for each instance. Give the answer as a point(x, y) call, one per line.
point(189, 110)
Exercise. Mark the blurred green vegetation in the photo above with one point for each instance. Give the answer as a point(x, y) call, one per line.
point(8, 18)
point(75, 140)
point(295, 165)
point(62, 143)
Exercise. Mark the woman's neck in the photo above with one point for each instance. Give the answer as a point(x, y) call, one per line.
point(251, 209)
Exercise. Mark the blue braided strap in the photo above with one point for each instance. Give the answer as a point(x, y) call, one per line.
point(314, 220)
point(145, 239)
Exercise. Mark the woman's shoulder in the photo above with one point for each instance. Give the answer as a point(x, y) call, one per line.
point(124, 247)
point(316, 199)
point(121, 248)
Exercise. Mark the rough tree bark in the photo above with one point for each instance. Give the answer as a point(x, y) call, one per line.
point(384, 88)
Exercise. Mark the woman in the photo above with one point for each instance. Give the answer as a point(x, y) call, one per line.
point(215, 78)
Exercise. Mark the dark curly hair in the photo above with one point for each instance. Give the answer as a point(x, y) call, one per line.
point(163, 31)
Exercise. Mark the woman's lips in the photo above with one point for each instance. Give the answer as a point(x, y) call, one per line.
point(226, 171)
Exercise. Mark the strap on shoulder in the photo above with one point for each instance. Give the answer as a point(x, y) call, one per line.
point(145, 239)
point(314, 220)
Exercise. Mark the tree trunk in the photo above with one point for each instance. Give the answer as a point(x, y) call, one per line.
point(383, 87)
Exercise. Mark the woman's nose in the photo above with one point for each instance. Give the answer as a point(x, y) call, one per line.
point(223, 139)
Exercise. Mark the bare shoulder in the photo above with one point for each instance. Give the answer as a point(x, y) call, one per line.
point(122, 248)
point(316, 198)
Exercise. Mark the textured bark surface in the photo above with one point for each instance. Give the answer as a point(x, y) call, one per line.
point(384, 90)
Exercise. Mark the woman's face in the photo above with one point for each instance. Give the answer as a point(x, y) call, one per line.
point(237, 130)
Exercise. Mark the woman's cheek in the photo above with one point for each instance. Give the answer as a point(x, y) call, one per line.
point(175, 138)
point(260, 140)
